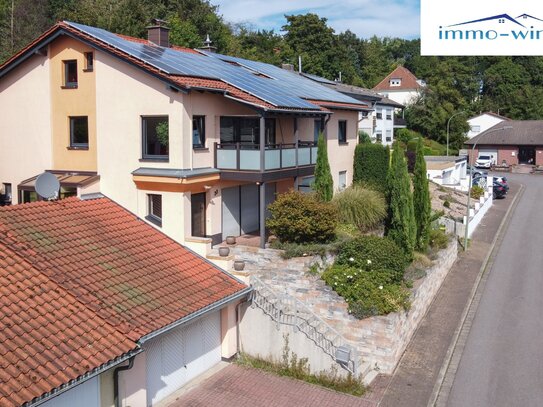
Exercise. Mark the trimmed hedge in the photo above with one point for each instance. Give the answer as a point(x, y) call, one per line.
point(371, 165)
point(301, 218)
point(372, 253)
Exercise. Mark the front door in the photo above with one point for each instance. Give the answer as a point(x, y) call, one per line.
point(526, 155)
point(198, 211)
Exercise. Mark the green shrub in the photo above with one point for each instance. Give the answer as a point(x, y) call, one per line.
point(361, 207)
point(363, 137)
point(447, 204)
point(412, 145)
point(477, 192)
point(405, 135)
point(368, 293)
point(438, 239)
point(371, 253)
point(371, 165)
point(301, 218)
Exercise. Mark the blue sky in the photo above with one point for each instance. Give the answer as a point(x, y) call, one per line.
point(393, 18)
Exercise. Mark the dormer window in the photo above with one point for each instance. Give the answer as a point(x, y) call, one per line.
point(70, 74)
point(395, 82)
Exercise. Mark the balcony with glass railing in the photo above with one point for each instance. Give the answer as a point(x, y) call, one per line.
point(248, 157)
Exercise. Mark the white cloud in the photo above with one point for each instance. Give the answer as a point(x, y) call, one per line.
point(393, 18)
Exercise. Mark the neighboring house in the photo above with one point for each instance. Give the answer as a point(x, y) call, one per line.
point(510, 142)
point(447, 171)
point(379, 120)
point(483, 122)
point(196, 143)
point(101, 309)
point(401, 86)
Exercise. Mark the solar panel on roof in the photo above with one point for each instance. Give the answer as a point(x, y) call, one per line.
point(281, 88)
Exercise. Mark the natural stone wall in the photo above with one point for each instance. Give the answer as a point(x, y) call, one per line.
point(378, 340)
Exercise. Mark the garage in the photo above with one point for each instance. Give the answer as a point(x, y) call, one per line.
point(87, 394)
point(240, 208)
point(176, 357)
point(492, 152)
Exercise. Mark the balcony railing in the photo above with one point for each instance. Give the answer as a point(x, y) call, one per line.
point(246, 157)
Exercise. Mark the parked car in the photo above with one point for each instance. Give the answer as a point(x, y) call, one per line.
point(503, 182)
point(476, 172)
point(480, 181)
point(498, 190)
point(484, 161)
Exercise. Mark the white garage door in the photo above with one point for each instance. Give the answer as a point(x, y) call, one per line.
point(87, 394)
point(175, 358)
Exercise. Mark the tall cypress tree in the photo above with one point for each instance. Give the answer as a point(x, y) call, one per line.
point(400, 225)
point(421, 199)
point(324, 185)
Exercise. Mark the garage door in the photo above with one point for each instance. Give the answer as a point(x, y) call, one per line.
point(175, 358)
point(87, 394)
point(491, 152)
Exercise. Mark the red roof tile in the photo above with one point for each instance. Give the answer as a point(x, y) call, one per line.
point(409, 81)
point(80, 283)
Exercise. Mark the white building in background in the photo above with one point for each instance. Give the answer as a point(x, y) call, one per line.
point(483, 122)
point(447, 171)
point(400, 86)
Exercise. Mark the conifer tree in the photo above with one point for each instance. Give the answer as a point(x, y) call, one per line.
point(324, 185)
point(400, 225)
point(421, 200)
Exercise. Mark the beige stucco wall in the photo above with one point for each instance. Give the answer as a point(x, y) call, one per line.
point(341, 156)
point(25, 128)
point(80, 101)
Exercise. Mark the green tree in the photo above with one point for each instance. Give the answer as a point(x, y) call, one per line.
point(421, 199)
point(400, 225)
point(324, 185)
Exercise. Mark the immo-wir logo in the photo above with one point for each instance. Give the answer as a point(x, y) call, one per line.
point(493, 28)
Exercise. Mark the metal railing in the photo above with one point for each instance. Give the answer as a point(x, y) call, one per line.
point(246, 157)
point(286, 310)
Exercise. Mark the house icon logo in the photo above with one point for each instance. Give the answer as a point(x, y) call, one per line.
point(525, 27)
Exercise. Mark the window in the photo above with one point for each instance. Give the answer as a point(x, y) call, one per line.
point(476, 129)
point(89, 61)
point(342, 180)
point(317, 130)
point(395, 82)
point(379, 113)
point(5, 196)
point(154, 209)
point(389, 114)
point(342, 131)
point(198, 131)
point(379, 136)
point(306, 184)
point(389, 136)
point(245, 130)
point(79, 132)
point(155, 137)
point(70, 74)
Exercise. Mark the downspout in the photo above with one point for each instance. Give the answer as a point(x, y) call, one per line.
point(238, 347)
point(116, 380)
point(328, 117)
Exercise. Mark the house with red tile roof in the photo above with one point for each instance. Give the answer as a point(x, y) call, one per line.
point(97, 307)
point(400, 86)
point(194, 142)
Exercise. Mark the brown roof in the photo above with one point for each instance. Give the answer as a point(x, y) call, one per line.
point(81, 282)
point(409, 81)
point(512, 132)
point(491, 114)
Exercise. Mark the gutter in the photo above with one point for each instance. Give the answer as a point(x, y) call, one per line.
point(217, 305)
point(81, 379)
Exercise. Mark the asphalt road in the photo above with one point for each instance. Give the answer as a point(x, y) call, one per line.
point(502, 362)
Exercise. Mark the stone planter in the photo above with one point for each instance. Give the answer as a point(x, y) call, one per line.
point(224, 251)
point(239, 265)
point(230, 240)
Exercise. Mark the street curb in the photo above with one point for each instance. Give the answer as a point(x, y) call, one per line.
point(444, 382)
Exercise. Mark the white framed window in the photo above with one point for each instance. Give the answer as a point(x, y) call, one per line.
point(342, 183)
point(476, 129)
point(379, 136)
point(389, 136)
point(395, 82)
point(154, 209)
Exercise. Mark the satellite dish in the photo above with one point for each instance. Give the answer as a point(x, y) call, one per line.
point(47, 186)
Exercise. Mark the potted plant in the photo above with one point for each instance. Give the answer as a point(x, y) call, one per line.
point(224, 251)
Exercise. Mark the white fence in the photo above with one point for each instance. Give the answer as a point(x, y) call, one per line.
point(475, 215)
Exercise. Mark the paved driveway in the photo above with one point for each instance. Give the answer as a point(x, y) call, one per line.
point(236, 386)
point(502, 363)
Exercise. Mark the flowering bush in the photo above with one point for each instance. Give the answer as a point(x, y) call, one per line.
point(368, 292)
point(372, 253)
